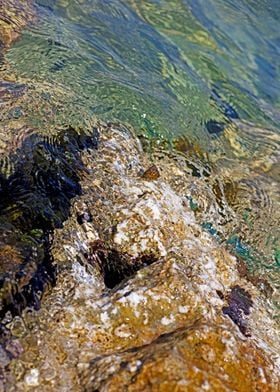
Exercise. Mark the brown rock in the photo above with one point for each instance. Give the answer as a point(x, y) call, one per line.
point(14, 15)
point(160, 326)
point(152, 173)
point(197, 358)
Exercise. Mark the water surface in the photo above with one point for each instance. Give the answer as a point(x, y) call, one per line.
point(163, 66)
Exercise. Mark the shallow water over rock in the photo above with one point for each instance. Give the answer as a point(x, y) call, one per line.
point(128, 262)
point(180, 316)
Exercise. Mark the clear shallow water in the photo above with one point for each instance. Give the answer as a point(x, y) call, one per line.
point(164, 66)
point(202, 75)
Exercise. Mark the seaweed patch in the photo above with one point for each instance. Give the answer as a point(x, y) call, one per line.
point(34, 200)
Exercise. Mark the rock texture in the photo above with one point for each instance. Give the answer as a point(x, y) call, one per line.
point(14, 15)
point(145, 298)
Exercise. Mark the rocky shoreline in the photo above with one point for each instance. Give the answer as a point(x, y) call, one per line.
point(111, 277)
point(144, 298)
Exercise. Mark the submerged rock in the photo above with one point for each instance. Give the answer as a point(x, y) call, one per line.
point(34, 200)
point(14, 15)
point(215, 127)
point(145, 299)
point(198, 358)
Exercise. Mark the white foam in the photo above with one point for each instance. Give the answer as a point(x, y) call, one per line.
point(167, 321)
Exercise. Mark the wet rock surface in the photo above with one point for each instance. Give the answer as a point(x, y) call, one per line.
point(114, 269)
point(34, 200)
point(196, 358)
point(145, 299)
point(14, 15)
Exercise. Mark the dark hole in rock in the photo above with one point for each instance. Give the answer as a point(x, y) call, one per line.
point(220, 294)
point(114, 265)
point(239, 305)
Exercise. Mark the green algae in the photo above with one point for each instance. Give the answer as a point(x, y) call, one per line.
point(277, 256)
